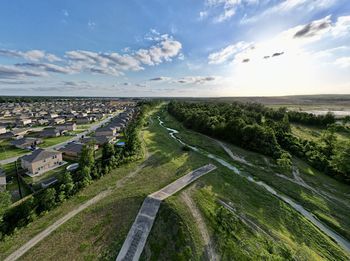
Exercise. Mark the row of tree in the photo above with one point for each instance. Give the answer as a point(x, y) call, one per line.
point(90, 169)
point(257, 128)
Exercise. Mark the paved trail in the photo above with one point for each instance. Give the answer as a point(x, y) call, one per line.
point(209, 245)
point(139, 231)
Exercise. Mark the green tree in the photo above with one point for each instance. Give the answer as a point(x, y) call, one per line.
point(329, 139)
point(68, 184)
point(5, 202)
point(107, 151)
point(285, 161)
point(341, 160)
point(87, 157)
point(46, 200)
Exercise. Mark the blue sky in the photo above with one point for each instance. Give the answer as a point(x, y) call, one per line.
point(174, 48)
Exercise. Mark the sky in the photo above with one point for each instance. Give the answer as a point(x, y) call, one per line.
point(188, 48)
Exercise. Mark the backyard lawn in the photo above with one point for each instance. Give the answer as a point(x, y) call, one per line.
point(9, 151)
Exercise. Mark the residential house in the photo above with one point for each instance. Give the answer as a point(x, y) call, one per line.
point(105, 131)
point(23, 122)
point(72, 150)
point(2, 129)
point(98, 140)
point(49, 133)
point(67, 127)
point(58, 120)
point(27, 142)
point(41, 161)
point(43, 122)
point(83, 120)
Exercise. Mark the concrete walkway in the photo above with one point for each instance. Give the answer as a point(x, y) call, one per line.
point(139, 231)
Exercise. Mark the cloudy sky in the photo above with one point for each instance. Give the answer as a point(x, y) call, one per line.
point(174, 48)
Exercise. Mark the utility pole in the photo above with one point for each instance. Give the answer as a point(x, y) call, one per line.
point(19, 184)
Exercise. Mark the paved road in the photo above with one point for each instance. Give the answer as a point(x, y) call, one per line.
point(139, 231)
point(60, 145)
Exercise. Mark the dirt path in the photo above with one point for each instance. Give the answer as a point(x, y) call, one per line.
point(232, 156)
point(209, 246)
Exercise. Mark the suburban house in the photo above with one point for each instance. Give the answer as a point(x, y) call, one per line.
point(58, 120)
point(23, 122)
point(2, 180)
point(83, 120)
point(2, 129)
point(72, 150)
point(41, 161)
point(105, 131)
point(43, 121)
point(49, 133)
point(24, 143)
point(98, 140)
point(67, 127)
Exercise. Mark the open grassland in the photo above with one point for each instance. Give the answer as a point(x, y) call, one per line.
point(98, 232)
point(314, 133)
point(286, 233)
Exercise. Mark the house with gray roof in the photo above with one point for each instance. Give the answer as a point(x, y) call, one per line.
point(27, 142)
point(41, 161)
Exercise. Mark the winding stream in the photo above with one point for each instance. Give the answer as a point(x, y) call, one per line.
point(345, 244)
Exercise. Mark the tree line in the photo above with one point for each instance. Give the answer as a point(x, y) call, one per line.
point(258, 128)
point(90, 169)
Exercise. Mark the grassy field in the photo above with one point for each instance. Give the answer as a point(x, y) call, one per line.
point(98, 232)
point(54, 140)
point(9, 151)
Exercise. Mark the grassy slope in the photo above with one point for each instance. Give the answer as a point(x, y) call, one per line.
point(299, 237)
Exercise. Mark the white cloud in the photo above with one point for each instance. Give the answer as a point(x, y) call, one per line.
point(227, 53)
point(160, 79)
point(291, 7)
point(12, 72)
point(31, 55)
point(196, 79)
point(223, 10)
point(343, 62)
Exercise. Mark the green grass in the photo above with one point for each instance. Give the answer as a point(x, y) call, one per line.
point(99, 231)
point(54, 140)
point(9, 151)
